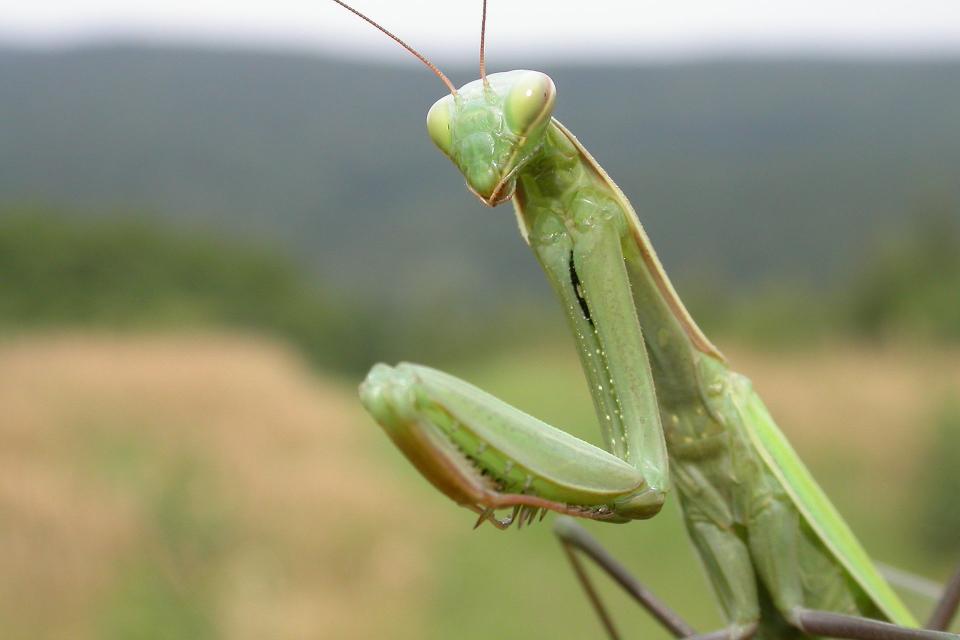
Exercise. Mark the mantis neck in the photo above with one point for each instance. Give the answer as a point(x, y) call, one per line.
point(562, 173)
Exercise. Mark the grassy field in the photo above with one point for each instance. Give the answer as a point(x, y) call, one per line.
point(202, 487)
point(210, 486)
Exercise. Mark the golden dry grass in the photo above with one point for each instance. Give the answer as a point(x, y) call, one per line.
point(151, 476)
point(875, 403)
point(301, 549)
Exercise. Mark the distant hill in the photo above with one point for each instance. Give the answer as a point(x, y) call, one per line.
point(741, 170)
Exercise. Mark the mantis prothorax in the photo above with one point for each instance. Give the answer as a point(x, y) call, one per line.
point(782, 561)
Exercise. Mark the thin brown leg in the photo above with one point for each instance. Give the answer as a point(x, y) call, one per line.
point(837, 625)
point(574, 537)
point(728, 634)
point(586, 544)
point(592, 594)
point(946, 608)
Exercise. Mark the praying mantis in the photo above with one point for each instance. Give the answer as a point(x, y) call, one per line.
point(672, 414)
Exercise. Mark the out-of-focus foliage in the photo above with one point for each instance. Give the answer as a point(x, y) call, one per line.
point(132, 273)
point(770, 178)
point(939, 485)
point(782, 314)
point(755, 171)
point(907, 286)
point(912, 285)
point(129, 273)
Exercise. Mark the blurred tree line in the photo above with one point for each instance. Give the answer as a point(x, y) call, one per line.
point(130, 273)
point(912, 284)
point(905, 287)
point(939, 484)
point(127, 273)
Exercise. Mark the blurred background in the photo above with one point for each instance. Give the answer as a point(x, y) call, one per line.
point(214, 218)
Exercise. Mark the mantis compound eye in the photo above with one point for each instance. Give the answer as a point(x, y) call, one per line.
point(530, 102)
point(438, 124)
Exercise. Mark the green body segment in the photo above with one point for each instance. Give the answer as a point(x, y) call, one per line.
point(814, 505)
point(769, 538)
point(750, 505)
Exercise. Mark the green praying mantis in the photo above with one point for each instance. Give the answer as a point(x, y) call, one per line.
point(673, 415)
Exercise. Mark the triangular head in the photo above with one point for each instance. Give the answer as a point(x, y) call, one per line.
point(491, 128)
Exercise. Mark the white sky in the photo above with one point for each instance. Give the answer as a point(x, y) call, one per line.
point(447, 30)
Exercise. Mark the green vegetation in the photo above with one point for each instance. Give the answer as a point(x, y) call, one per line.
point(906, 287)
point(130, 273)
point(939, 485)
point(752, 172)
point(167, 587)
point(912, 284)
point(763, 185)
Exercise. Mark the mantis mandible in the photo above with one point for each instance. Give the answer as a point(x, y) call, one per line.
point(781, 560)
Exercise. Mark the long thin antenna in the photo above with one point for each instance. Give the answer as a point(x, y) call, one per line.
point(403, 44)
point(483, 38)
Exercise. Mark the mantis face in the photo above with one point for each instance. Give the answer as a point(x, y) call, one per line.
point(490, 130)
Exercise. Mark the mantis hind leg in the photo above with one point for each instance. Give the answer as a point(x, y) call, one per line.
point(946, 608)
point(837, 625)
point(776, 541)
point(821, 623)
point(576, 540)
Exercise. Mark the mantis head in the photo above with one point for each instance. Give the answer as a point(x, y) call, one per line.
point(492, 127)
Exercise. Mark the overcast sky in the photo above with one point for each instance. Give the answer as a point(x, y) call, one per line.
point(447, 30)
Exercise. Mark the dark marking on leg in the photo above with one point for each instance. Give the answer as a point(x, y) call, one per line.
point(578, 290)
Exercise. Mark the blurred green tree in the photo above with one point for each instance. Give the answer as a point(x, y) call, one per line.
point(127, 273)
point(939, 484)
point(911, 285)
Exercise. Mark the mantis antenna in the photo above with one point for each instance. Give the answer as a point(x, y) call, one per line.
point(416, 53)
point(483, 37)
